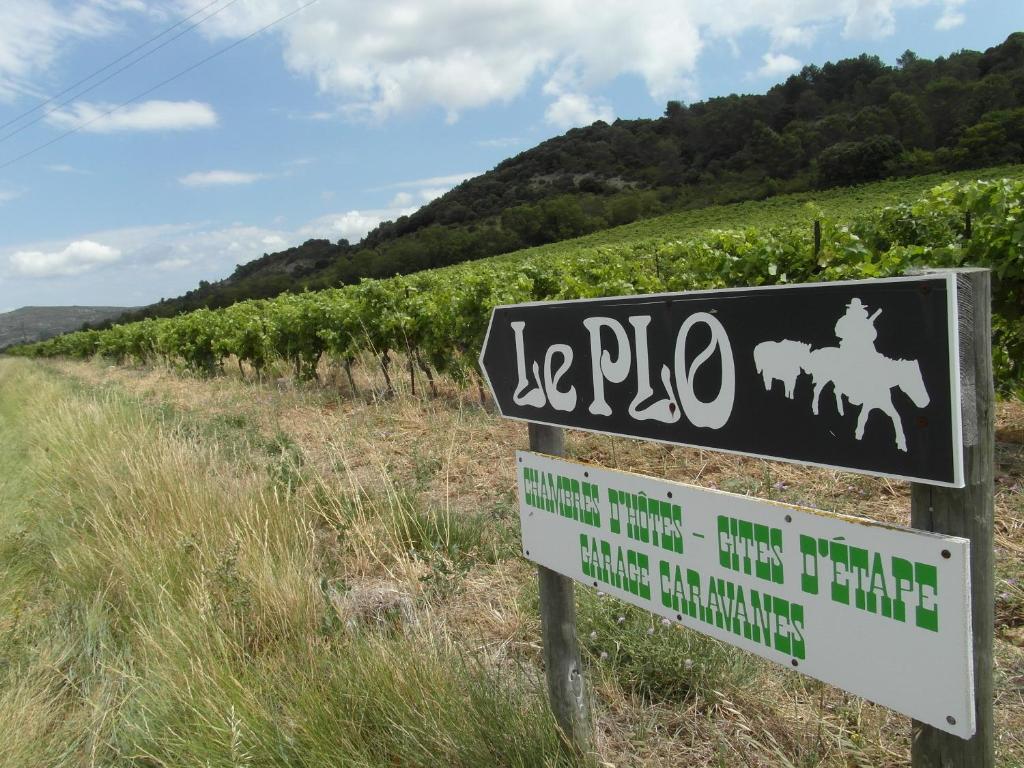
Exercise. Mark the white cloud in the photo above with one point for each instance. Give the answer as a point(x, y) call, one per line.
point(433, 181)
point(509, 141)
point(431, 193)
point(6, 195)
point(776, 64)
point(169, 265)
point(152, 261)
point(384, 58)
point(870, 19)
point(951, 17)
point(219, 178)
point(76, 258)
point(33, 33)
point(795, 35)
point(571, 110)
point(65, 168)
point(421, 197)
point(155, 115)
point(351, 225)
point(424, 190)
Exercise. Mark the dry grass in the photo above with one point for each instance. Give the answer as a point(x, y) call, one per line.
point(361, 455)
point(165, 605)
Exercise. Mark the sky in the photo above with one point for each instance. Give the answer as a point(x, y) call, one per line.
point(134, 184)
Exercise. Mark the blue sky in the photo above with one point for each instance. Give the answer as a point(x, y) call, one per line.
point(348, 113)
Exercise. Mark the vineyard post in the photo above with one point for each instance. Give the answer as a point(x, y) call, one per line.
point(409, 353)
point(968, 512)
point(567, 690)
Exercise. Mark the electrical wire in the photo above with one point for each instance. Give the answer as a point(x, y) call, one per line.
point(161, 84)
point(120, 58)
point(112, 75)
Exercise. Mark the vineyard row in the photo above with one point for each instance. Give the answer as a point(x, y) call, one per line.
point(439, 317)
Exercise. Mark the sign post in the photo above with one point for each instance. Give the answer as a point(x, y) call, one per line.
point(567, 690)
point(889, 377)
point(968, 512)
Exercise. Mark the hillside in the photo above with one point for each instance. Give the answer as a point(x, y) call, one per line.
point(38, 323)
point(798, 209)
point(843, 123)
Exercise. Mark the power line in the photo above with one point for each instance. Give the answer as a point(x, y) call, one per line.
point(112, 75)
point(105, 67)
point(161, 84)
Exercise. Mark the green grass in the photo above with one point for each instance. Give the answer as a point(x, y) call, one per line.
point(653, 658)
point(160, 606)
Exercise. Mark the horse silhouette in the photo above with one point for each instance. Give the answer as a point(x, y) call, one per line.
point(864, 376)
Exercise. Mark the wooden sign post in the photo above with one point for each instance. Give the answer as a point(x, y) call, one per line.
point(889, 377)
point(968, 512)
point(567, 689)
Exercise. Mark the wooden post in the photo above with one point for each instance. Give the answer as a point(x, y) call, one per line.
point(566, 687)
point(817, 238)
point(968, 512)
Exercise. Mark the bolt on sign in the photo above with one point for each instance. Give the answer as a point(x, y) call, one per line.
point(880, 611)
point(857, 375)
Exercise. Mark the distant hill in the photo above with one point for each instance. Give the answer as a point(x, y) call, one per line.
point(38, 323)
point(844, 123)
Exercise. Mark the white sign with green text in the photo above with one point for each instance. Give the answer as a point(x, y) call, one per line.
point(880, 611)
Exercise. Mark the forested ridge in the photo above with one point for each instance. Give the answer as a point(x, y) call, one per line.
point(847, 122)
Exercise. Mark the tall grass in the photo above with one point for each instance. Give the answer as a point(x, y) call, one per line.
point(161, 605)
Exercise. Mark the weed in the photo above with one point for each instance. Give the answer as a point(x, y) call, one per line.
point(655, 658)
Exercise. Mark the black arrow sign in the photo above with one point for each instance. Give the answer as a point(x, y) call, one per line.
point(858, 375)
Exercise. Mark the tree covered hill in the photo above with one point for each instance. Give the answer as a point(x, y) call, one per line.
point(843, 123)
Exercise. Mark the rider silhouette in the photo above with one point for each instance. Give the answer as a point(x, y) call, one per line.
point(856, 330)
